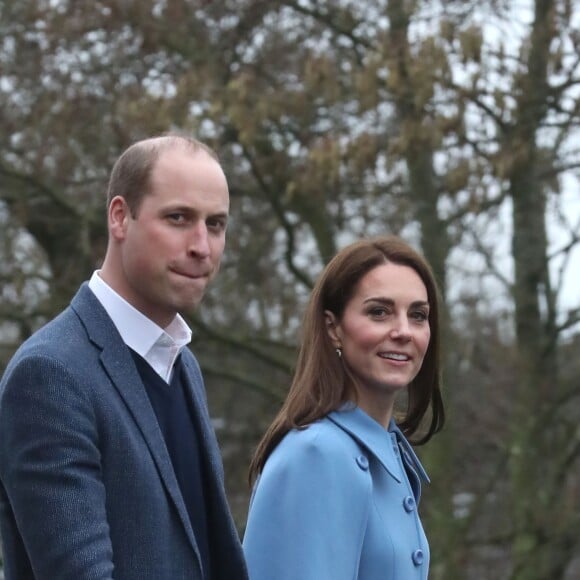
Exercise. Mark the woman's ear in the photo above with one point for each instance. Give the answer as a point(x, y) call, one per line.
point(332, 327)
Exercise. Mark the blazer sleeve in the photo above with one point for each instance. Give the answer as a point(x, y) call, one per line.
point(309, 510)
point(51, 472)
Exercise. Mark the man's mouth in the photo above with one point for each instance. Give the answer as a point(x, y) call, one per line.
point(191, 275)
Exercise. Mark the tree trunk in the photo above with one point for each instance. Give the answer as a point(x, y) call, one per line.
point(418, 154)
point(536, 372)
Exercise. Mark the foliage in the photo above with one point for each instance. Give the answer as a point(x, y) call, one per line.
point(452, 123)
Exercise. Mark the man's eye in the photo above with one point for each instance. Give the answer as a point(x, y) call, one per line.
point(216, 224)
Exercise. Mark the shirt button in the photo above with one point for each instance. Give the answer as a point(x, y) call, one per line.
point(362, 462)
point(409, 504)
point(418, 557)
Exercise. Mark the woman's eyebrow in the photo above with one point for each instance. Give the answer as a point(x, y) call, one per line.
point(390, 301)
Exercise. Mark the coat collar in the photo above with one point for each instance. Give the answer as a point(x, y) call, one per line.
point(379, 441)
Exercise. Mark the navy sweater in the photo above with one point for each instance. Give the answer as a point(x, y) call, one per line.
point(173, 408)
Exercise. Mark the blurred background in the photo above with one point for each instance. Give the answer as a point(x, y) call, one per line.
point(455, 124)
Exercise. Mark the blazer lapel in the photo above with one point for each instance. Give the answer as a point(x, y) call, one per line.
point(210, 448)
point(230, 561)
point(121, 369)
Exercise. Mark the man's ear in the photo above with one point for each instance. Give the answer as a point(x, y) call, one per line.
point(119, 215)
point(332, 327)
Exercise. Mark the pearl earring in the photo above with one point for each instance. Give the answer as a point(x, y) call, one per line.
point(339, 351)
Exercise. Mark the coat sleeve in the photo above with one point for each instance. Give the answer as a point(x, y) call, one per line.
point(53, 512)
point(309, 510)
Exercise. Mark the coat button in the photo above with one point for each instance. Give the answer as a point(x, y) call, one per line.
point(409, 503)
point(362, 462)
point(418, 557)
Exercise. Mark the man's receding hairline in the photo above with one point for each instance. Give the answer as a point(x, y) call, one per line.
point(161, 144)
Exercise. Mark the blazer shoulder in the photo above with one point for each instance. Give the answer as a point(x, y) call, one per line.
point(65, 344)
point(54, 340)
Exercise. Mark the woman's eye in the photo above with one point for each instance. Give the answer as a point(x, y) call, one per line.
point(378, 312)
point(420, 315)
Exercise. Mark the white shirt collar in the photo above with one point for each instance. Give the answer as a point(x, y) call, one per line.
point(160, 347)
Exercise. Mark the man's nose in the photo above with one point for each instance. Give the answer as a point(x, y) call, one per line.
point(198, 243)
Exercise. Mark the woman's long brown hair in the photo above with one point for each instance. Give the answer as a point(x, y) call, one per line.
point(321, 383)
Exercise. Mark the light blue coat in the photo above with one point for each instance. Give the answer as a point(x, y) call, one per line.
point(338, 501)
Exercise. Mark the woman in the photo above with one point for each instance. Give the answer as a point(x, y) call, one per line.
point(336, 482)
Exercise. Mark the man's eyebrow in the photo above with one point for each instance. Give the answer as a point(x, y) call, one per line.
point(193, 211)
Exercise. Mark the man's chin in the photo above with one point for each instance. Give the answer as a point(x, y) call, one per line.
point(190, 304)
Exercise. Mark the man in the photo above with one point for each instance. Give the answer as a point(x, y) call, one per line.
point(109, 467)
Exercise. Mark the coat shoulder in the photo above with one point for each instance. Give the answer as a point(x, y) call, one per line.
point(321, 451)
point(311, 483)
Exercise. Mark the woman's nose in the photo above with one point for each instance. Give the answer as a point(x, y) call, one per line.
point(400, 329)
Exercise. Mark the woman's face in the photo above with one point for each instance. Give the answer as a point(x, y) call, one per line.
point(384, 334)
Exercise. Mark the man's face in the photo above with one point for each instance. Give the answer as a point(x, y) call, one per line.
point(173, 247)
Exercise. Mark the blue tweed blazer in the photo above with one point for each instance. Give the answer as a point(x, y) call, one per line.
point(87, 488)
